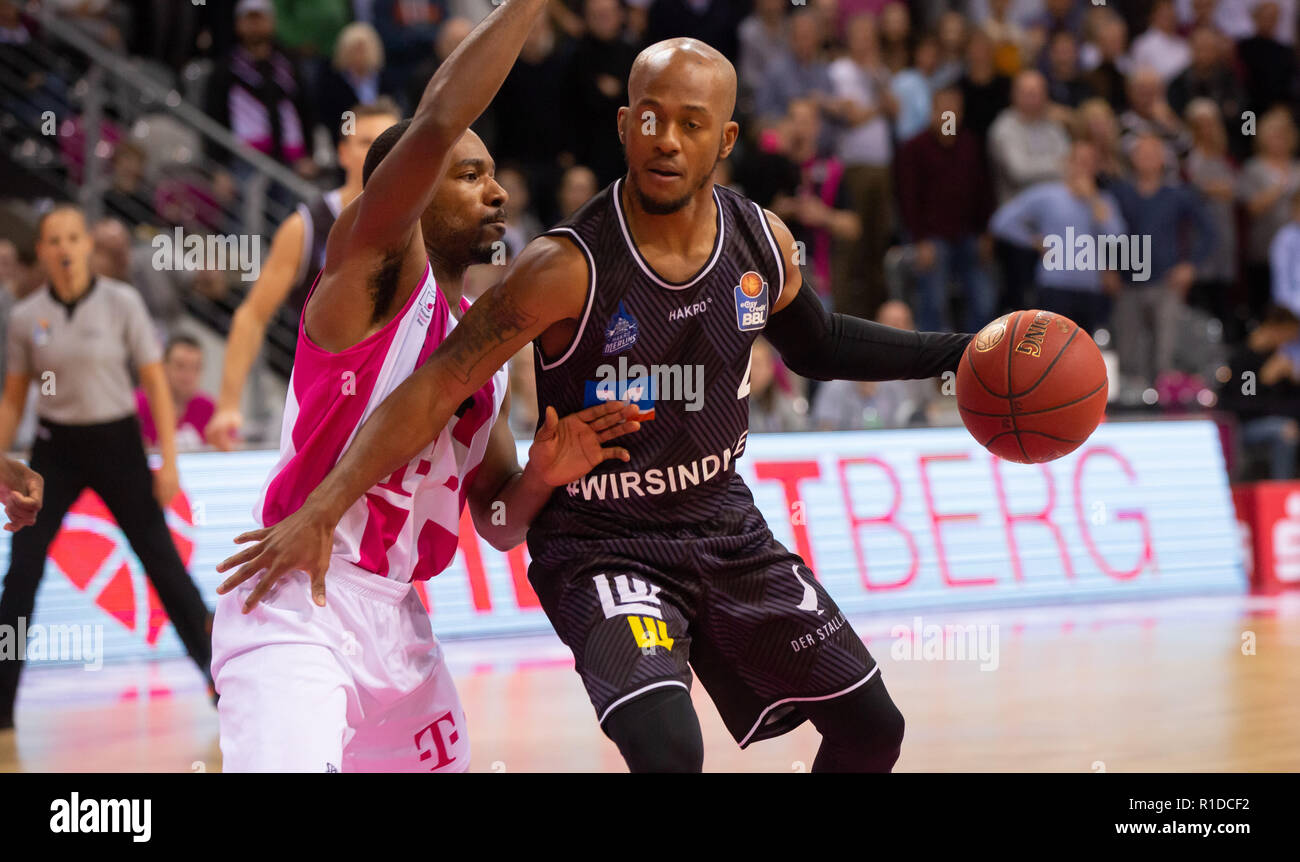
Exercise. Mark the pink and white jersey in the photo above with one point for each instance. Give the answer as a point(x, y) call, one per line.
point(405, 527)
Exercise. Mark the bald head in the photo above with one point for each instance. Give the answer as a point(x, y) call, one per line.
point(687, 65)
point(677, 125)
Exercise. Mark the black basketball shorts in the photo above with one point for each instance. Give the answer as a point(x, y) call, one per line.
point(641, 607)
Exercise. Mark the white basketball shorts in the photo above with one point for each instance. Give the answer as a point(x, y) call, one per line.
point(356, 686)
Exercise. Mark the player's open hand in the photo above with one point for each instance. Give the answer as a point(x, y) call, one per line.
point(299, 543)
point(24, 490)
point(565, 450)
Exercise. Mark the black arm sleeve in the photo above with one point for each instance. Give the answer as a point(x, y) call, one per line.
point(824, 346)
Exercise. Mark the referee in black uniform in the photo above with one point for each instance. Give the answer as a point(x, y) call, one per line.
point(77, 337)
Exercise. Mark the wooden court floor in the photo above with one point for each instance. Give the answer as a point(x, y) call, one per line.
point(1175, 685)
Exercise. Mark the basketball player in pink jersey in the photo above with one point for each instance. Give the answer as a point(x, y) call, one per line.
point(360, 684)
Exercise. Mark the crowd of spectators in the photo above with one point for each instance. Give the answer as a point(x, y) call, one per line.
point(927, 155)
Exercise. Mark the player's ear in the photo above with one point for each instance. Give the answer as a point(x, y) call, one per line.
point(622, 117)
point(729, 134)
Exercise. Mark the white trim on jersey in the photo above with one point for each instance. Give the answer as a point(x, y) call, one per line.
point(780, 260)
point(304, 256)
point(636, 255)
point(772, 706)
point(625, 698)
point(591, 298)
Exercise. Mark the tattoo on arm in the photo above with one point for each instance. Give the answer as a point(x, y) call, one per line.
point(502, 319)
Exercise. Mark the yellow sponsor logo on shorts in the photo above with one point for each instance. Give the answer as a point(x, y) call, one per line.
point(650, 632)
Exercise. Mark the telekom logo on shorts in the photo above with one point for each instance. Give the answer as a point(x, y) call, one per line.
point(92, 552)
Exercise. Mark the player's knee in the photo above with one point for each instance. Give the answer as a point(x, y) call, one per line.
point(861, 732)
point(658, 732)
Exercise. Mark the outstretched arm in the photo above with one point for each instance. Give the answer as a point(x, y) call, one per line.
point(823, 346)
point(248, 328)
point(545, 284)
point(401, 187)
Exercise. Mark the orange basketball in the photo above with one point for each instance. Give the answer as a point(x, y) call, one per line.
point(1031, 386)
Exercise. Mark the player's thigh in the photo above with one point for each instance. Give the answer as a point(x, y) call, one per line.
point(626, 625)
point(769, 638)
point(284, 708)
point(425, 731)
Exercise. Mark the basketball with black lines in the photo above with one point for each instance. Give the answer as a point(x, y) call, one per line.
point(1031, 386)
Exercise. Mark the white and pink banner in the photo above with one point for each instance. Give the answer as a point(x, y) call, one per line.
point(889, 520)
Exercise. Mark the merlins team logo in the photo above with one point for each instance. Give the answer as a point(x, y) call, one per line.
point(621, 332)
point(751, 302)
point(991, 335)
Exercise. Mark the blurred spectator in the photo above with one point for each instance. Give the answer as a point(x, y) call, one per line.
point(819, 210)
point(1161, 47)
point(1269, 65)
point(115, 256)
point(1212, 173)
point(102, 20)
point(182, 366)
point(1262, 391)
point(798, 72)
point(577, 186)
point(521, 224)
point(355, 77)
point(985, 91)
point(761, 36)
point(1065, 85)
point(1268, 181)
point(945, 201)
point(775, 405)
point(257, 93)
point(1149, 314)
point(862, 101)
point(534, 127)
point(1284, 259)
point(1208, 76)
point(1095, 122)
point(895, 36)
point(851, 405)
point(310, 28)
point(598, 88)
point(1057, 16)
point(952, 34)
point(128, 197)
point(408, 29)
point(1149, 114)
point(1043, 216)
point(913, 89)
point(1106, 59)
point(451, 33)
point(1026, 145)
point(1010, 40)
point(713, 22)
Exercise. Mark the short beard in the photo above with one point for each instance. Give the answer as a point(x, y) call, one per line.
point(482, 253)
point(654, 207)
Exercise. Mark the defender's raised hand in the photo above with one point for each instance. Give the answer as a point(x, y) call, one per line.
point(565, 450)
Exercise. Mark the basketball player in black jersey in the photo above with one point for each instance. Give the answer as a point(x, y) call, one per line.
point(297, 256)
point(660, 565)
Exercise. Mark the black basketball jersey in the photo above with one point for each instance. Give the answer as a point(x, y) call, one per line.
point(679, 351)
point(318, 217)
